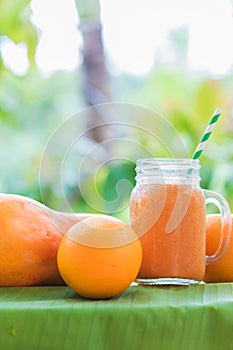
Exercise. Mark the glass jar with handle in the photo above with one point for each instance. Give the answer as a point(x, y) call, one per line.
point(168, 212)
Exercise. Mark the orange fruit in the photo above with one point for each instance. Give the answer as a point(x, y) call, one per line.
point(99, 257)
point(221, 271)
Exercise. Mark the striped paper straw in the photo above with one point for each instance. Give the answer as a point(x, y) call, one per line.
point(207, 134)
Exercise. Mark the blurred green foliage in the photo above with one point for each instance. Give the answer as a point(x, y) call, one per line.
point(32, 107)
point(15, 24)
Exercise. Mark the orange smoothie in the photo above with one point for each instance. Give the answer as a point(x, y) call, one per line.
point(170, 220)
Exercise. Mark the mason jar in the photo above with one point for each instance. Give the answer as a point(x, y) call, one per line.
point(168, 212)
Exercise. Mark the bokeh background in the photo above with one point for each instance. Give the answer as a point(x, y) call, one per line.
point(58, 57)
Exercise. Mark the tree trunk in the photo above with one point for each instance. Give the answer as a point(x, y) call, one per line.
point(95, 75)
point(95, 79)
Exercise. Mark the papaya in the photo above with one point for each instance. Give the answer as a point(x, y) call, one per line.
point(30, 234)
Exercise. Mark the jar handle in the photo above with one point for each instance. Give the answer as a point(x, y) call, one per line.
point(223, 206)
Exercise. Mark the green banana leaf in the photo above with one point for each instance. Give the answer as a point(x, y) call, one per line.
point(164, 318)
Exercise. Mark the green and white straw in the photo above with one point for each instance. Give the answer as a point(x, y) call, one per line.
point(207, 134)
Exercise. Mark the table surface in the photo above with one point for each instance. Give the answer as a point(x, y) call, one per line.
point(164, 318)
